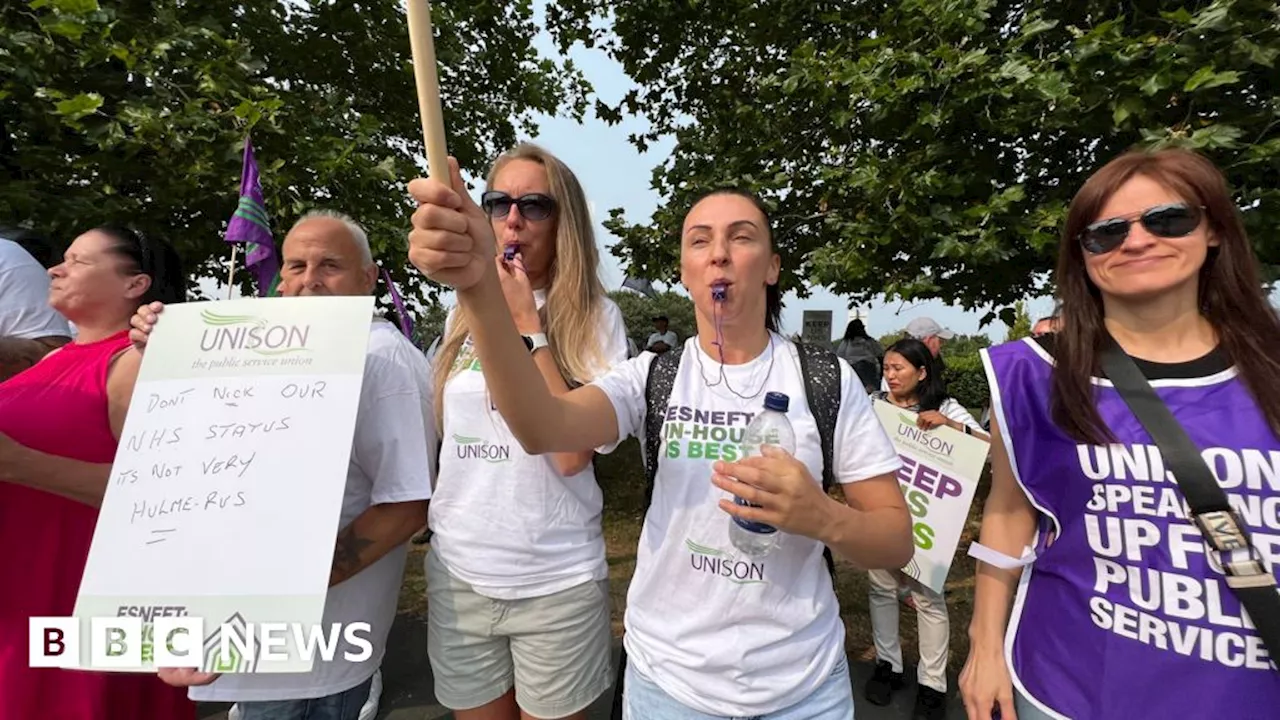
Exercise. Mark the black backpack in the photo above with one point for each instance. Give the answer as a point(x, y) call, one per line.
point(820, 369)
point(869, 373)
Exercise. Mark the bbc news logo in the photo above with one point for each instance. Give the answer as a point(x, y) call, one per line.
point(127, 643)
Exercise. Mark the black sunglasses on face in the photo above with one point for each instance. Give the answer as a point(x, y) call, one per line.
point(534, 206)
point(1166, 221)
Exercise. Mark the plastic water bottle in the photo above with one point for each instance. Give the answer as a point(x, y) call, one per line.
point(770, 427)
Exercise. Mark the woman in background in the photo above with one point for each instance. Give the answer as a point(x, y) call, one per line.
point(863, 353)
point(914, 385)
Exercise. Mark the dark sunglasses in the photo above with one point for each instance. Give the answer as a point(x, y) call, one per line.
point(1166, 221)
point(534, 206)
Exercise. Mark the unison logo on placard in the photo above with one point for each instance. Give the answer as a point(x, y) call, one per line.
point(908, 429)
point(250, 332)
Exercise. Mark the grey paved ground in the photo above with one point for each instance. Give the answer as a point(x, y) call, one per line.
point(407, 693)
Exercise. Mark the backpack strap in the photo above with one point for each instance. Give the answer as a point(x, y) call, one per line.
point(657, 395)
point(821, 372)
point(820, 369)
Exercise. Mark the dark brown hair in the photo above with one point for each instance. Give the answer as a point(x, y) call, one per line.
point(1230, 289)
point(772, 293)
point(932, 390)
point(150, 256)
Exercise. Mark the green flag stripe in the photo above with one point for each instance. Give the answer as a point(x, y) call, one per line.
point(248, 201)
point(253, 211)
point(253, 220)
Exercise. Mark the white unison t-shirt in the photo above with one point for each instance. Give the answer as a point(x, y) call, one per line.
point(392, 461)
point(505, 522)
point(723, 633)
point(950, 409)
point(953, 410)
point(668, 337)
point(24, 297)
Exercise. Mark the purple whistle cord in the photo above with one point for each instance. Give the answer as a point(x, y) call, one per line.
point(718, 293)
point(406, 325)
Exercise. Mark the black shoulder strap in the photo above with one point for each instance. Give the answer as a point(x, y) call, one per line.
point(657, 395)
point(821, 372)
point(1250, 579)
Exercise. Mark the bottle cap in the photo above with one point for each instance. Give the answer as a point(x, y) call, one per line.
point(777, 401)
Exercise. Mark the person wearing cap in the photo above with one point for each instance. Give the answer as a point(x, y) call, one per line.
point(1046, 325)
point(663, 338)
point(929, 332)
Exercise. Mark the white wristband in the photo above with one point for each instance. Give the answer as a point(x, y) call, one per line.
point(995, 558)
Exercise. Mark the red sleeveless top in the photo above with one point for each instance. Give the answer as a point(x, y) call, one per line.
point(59, 407)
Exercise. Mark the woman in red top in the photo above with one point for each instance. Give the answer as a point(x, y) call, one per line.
point(60, 422)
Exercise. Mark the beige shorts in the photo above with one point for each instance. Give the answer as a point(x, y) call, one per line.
point(555, 649)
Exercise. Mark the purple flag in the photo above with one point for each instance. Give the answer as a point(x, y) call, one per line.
point(249, 225)
point(406, 324)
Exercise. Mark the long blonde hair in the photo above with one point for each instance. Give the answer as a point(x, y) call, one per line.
point(570, 316)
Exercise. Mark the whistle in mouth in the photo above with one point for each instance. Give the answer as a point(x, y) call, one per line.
point(510, 252)
point(718, 292)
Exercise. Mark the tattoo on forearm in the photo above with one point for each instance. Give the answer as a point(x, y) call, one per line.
point(18, 354)
point(346, 555)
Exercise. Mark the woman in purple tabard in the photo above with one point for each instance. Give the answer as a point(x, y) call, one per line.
point(1119, 612)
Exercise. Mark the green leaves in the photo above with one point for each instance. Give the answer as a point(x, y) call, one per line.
point(73, 109)
point(1215, 137)
point(1216, 17)
point(1021, 325)
point(1206, 78)
point(1016, 70)
point(939, 142)
point(74, 7)
point(1125, 108)
point(137, 112)
point(638, 312)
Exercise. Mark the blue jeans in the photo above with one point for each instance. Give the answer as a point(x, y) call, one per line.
point(1027, 711)
point(833, 700)
point(338, 706)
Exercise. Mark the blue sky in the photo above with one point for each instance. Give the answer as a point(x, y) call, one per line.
point(615, 174)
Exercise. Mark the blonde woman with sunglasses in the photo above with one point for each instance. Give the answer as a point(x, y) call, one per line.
point(516, 577)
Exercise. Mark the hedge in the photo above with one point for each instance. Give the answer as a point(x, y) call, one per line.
point(966, 380)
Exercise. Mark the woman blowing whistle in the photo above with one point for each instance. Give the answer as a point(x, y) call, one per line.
point(701, 645)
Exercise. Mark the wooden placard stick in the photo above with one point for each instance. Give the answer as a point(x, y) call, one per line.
point(422, 42)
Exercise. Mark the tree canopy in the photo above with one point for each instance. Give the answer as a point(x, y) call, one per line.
point(137, 111)
point(929, 149)
point(1021, 325)
point(638, 312)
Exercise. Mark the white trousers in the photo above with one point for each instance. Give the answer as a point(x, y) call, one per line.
point(934, 628)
